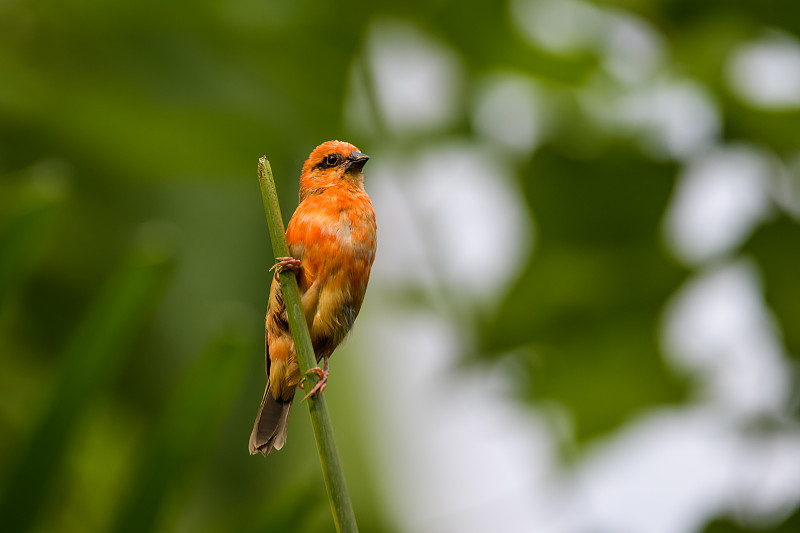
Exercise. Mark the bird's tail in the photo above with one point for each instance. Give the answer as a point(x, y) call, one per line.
point(272, 424)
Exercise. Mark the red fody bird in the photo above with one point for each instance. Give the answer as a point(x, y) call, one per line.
point(332, 238)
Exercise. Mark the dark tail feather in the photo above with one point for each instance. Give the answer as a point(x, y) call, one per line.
point(269, 431)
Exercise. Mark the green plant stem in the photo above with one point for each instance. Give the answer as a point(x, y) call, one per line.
point(343, 516)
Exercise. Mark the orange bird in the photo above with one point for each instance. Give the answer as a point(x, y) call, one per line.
point(332, 237)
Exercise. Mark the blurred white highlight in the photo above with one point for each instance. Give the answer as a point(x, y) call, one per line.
point(766, 73)
point(454, 211)
point(634, 51)
point(417, 78)
point(457, 456)
point(630, 48)
point(508, 112)
point(453, 451)
point(718, 328)
point(561, 26)
point(720, 198)
point(678, 118)
point(670, 471)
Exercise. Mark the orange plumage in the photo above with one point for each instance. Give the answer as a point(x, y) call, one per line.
point(332, 238)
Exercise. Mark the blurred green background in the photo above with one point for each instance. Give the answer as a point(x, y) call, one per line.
point(585, 311)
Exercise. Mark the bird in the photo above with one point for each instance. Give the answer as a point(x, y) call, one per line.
point(332, 239)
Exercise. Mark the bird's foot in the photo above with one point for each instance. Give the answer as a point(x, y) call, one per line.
point(286, 263)
point(321, 384)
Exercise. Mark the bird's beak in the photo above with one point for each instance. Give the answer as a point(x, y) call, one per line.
point(356, 160)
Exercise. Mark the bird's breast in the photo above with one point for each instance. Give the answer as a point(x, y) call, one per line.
point(334, 234)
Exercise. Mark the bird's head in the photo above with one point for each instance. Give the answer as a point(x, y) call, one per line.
point(331, 164)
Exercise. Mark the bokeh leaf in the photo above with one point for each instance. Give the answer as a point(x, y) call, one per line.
point(93, 355)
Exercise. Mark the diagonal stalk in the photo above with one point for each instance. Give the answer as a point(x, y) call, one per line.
point(343, 516)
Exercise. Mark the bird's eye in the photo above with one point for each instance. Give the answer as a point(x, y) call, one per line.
point(332, 160)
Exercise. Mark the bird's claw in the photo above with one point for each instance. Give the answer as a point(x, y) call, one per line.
point(286, 263)
point(321, 384)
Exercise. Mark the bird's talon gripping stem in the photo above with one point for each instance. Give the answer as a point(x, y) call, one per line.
point(323, 379)
point(286, 263)
point(318, 371)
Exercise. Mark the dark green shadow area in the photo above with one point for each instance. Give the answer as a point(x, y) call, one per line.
point(90, 361)
point(181, 441)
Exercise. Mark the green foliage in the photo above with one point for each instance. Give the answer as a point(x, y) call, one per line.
point(89, 362)
point(789, 525)
point(592, 332)
point(779, 267)
point(183, 437)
